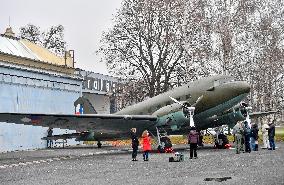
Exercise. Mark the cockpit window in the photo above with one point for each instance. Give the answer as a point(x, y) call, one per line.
point(216, 83)
point(222, 81)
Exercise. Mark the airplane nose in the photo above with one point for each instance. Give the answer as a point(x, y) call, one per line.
point(244, 87)
point(236, 88)
point(240, 87)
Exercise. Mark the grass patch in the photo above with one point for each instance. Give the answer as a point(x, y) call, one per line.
point(279, 131)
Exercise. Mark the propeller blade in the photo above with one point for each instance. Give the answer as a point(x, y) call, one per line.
point(197, 101)
point(176, 101)
point(183, 105)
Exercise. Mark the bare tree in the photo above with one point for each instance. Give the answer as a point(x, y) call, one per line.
point(146, 41)
point(198, 40)
point(250, 46)
point(52, 39)
point(31, 33)
point(166, 43)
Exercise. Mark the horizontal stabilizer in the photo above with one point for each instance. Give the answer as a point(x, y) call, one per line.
point(62, 136)
point(260, 114)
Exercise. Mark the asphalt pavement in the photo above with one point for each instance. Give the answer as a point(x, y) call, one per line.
point(113, 165)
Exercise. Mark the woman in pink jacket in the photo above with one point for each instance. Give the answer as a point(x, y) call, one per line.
point(146, 142)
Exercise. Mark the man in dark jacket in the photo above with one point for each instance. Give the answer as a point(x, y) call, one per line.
point(193, 139)
point(135, 144)
point(254, 137)
point(49, 140)
point(247, 135)
point(271, 135)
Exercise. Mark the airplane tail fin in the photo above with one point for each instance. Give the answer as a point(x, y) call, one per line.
point(87, 106)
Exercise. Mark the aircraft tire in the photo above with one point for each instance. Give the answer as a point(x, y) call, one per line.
point(166, 142)
point(99, 144)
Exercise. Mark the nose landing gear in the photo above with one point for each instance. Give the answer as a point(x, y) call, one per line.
point(99, 144)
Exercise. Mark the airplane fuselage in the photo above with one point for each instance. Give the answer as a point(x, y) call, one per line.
point(219, 93)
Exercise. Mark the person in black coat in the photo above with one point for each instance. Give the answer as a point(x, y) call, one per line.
point(271, 135)
point(247, 135)
point(135, 144)
point(49, 140)
point(254, 137)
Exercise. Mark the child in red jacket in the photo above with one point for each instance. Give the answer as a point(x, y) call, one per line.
point(146, 142)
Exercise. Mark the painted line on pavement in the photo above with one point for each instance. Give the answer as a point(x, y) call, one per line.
point(54, 159)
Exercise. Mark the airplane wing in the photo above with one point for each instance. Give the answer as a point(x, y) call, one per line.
point(260, 114)
point(103, 123)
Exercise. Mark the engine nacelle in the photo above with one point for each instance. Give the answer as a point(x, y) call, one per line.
point(242, 107)
point(230, 118)
point(173, 120)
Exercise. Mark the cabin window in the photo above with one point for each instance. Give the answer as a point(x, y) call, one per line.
point(187, 96)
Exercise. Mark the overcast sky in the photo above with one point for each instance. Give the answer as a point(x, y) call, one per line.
point(84, 21)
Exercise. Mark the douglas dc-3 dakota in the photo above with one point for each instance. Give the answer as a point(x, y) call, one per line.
point(205, 103)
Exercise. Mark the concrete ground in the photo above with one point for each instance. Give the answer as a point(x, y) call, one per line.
point(112, 165)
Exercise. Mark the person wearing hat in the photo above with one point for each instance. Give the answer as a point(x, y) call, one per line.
point(193, 139)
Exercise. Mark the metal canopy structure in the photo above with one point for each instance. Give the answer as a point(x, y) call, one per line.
point(16, 48)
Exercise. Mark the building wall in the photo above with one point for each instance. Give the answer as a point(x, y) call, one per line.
point(99, 90)
point(33, 92)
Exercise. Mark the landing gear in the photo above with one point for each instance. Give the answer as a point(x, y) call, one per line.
point(166, 145)
point(200, 141)
point(164, 142)
point(99, 144)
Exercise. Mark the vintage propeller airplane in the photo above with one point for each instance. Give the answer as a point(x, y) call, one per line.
point(205, 103)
